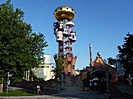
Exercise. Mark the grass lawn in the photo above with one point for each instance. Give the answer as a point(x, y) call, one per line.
point(16, 93)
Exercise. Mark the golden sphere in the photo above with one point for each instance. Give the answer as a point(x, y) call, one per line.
point(64, 12)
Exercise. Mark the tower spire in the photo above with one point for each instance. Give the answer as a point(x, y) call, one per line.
point(90, 48)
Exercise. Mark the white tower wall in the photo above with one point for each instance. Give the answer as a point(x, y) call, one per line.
point(47, 59)
point(59, 36)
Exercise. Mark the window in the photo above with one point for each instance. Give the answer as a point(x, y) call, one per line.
point(69, 62)
point(73, 67)
point(42, 66)
point(46, 66)
point(72, 36)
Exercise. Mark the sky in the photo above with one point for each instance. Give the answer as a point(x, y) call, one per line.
point(103, 23)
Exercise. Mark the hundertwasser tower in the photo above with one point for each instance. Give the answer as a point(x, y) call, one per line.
point(65, 36)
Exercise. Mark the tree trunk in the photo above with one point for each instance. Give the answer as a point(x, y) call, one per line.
point(1, 85)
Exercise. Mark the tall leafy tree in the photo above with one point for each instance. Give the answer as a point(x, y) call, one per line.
point(126, 53)
point(20, 48)
point(59, 66)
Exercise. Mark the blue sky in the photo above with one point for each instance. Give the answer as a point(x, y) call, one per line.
point(103, 23)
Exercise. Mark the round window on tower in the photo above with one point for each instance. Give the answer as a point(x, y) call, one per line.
point(60, 8)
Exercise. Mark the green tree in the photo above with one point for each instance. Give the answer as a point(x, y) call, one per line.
point(111, 61)
point(20, 48)
point(125, 55)
point(59, 66)
point(105, 61)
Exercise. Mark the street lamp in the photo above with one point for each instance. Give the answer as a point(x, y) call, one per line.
point(8, 81)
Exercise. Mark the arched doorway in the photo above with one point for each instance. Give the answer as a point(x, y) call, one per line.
point(99, 78)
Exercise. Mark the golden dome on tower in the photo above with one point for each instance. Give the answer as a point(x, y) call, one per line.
point(64, 12)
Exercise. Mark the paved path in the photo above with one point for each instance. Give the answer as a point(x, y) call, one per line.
point(85, 95)
point(121, 91)
point(77, 93)
point(69, 93)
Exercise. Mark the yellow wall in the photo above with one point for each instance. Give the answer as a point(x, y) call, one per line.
point(44, 71)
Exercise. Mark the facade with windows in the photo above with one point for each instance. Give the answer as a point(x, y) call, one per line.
point(44, 71)
point(98, 75)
